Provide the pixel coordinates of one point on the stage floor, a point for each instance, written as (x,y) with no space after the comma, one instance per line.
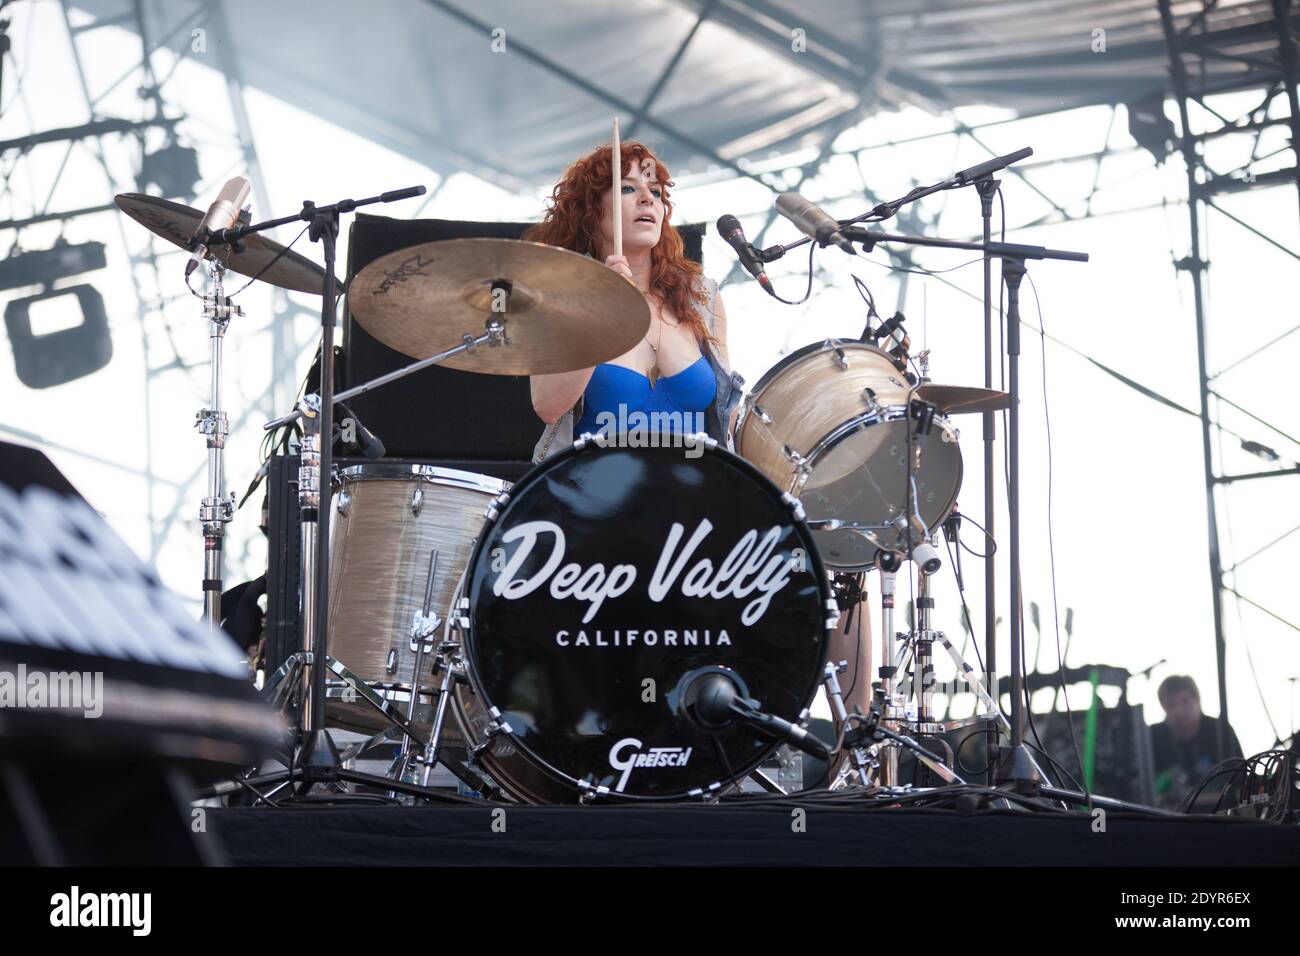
(736,836)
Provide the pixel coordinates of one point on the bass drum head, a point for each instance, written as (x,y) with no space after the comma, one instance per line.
(608,577)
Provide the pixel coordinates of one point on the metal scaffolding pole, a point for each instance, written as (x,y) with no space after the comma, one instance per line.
(1191,36)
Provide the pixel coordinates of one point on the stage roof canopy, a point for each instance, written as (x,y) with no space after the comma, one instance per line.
(512,91)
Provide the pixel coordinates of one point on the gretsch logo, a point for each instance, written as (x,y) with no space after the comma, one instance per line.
(750,568)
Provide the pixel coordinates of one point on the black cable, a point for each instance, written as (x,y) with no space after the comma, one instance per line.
(991,544)
(922,272)
(273,261)
(1059,766)
(812,248)
(1051,539)
(962,746)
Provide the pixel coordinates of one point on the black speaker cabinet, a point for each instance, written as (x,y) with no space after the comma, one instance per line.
(445,416)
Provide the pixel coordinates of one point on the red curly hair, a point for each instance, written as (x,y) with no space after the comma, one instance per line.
(573,217)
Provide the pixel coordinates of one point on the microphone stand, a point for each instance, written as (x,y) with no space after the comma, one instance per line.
(1014,764)
(988,187)
(317,759)
(981,177)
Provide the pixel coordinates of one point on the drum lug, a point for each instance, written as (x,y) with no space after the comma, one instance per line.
(705,793)
(762,414)
(794,504)
(869,399)
(417,501)
(343,501)
(799,461)
(496,726)
(500,501)
(589,793)
(390,664)
(460,615)
(837,353)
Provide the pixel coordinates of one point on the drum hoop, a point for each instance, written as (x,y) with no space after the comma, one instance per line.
(835,436)
(786,362)
(434,474)
(813,347)
(819,573)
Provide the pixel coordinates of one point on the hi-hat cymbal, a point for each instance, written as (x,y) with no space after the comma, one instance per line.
(177,224)
(962,399)
(562,311)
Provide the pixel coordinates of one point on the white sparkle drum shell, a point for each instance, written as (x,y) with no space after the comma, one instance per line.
(389,519)
(829,423)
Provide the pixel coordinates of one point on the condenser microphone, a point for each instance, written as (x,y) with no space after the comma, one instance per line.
(730,229)
(222,214)
(812,221)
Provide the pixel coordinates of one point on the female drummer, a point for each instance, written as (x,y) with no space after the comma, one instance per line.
(681,364)
(680,368)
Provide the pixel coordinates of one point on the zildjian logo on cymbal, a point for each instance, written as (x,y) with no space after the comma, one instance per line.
(410,267)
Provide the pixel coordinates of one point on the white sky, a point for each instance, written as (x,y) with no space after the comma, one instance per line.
(1129,518)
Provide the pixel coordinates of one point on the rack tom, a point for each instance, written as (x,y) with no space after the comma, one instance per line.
(831,423)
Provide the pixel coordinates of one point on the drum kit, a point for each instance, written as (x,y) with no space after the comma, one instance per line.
(623,623)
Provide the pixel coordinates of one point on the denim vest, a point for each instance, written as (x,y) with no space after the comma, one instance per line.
(730,389)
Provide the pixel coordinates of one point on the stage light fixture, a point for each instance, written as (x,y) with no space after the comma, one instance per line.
(45,266)
(1150,127)
(56,358)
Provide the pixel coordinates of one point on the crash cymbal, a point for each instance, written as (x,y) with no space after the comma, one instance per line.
(563,311)
(177,224)
(962,399)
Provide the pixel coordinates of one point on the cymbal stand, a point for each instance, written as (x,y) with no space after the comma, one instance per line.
(216,510)
(861,760)
(888,563)
(424,625)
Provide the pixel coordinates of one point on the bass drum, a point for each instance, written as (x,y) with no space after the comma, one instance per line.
(601,585)
(830,423)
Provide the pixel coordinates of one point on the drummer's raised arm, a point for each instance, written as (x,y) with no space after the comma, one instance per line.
(555,394)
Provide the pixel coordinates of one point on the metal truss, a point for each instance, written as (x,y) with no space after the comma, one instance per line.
(149,275)
(1261,40)
(1264,49)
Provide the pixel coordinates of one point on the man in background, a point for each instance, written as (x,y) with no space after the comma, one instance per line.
(1185,747)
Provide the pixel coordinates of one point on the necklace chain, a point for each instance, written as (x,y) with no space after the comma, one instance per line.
(654,369)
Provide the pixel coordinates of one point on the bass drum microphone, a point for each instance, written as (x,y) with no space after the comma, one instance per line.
(713,698)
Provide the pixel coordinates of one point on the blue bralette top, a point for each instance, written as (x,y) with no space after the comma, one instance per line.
(680,400)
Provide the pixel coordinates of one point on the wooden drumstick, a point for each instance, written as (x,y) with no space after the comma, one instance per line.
(617,160)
